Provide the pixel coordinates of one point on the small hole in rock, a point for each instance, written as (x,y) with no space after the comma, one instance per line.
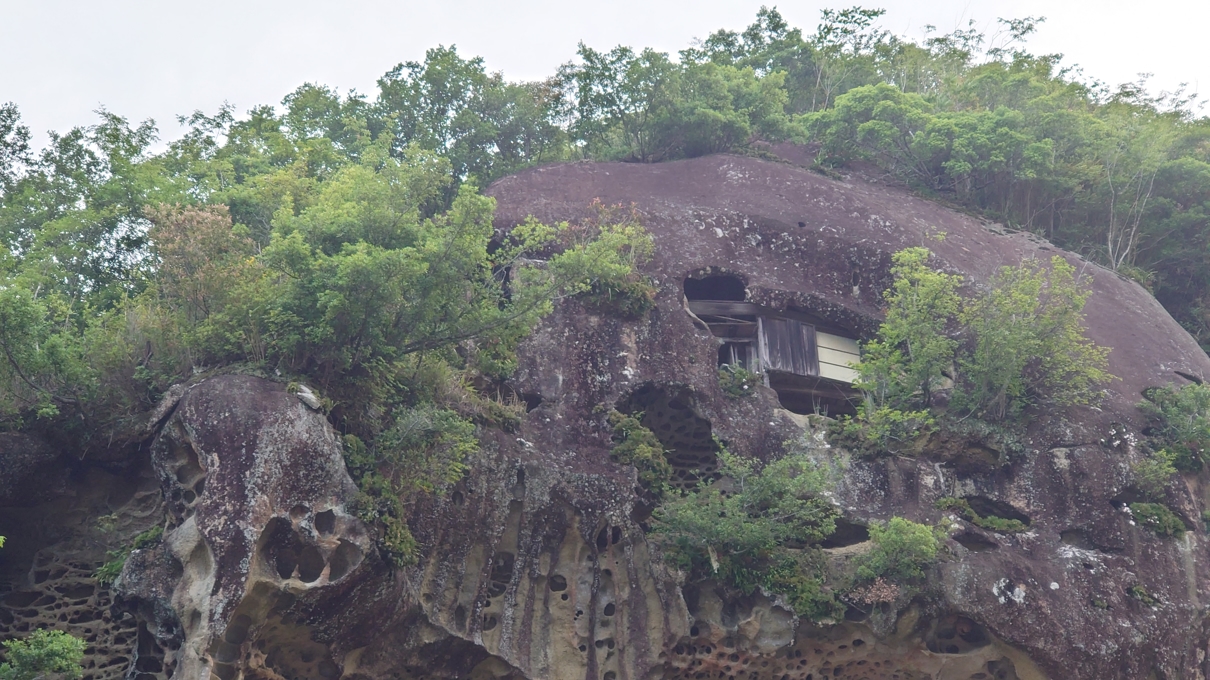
(286,562)
(310,564)
(325,522)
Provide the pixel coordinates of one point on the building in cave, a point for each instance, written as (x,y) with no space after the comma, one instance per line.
(807,361)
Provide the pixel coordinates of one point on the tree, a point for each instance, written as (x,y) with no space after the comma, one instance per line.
(1018,343)
(902,551)
(44,654)
(1029,343)
(914,348)
(14,147)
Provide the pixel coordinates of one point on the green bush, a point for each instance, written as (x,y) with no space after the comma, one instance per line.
(754,528)
(1140,593)
(902,551)
(905,365)
(1158,519)
(1021,341)
(627,299)
(1152,474)
(1180,418)
(107,573)
(881,432)
(423,451)
(44,654)
(1028,344)
(738,381)
(634,444)
(962,508)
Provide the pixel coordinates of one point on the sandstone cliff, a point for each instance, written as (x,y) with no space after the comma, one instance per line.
(536,565)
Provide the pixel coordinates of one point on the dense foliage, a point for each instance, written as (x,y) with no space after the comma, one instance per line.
(43,654)
(368,274)
(340,242)
(1158,518)
(902,550)
(1180,423)
(634,444)
(1019,342)
(755,529)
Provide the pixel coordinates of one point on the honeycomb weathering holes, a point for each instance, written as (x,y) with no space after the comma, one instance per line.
(668,412)
(290,554)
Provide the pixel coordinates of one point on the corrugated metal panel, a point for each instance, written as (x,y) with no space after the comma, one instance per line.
(836,356)
(831,356)
(789,346)
(836,372)
(846,345)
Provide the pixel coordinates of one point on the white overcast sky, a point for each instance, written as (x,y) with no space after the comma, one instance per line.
(62,59)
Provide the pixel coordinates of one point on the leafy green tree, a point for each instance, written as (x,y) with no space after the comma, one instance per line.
(15,153)
(1180,417)
(1029,343)
(483,125)
(44,654)
(1152,474)
(1020,342)
(914,349)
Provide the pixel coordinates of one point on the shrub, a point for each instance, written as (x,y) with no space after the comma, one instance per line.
(737,381)
(1151,475)
(754,528)
(637,445)
(1179,419)
(1019,343)
(905,365)
(422,451)
(1140,593)
(44,654)
(902,551)
(107,573)
(962,508)
(1028,343)
(1158,518)
(627,299)
(881,432)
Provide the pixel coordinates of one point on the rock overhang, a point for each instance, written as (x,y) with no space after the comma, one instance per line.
(803,240)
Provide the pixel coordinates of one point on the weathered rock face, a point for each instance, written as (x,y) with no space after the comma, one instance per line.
(1053,601)
(257,538)
(537,565)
